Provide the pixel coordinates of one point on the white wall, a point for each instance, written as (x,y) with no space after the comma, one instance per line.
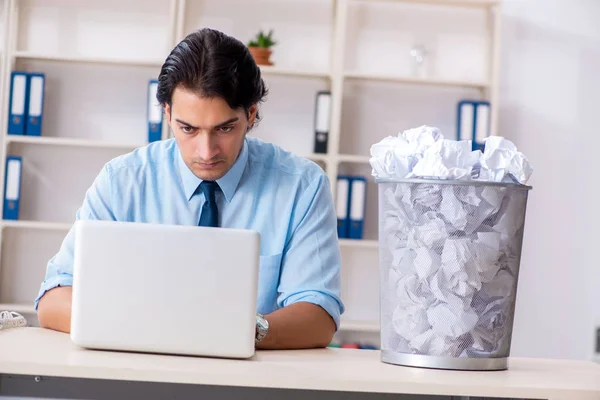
(550,103)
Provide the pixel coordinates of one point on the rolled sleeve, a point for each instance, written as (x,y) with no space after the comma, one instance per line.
(54,280)
(96,205)
(311,262)
(327,301)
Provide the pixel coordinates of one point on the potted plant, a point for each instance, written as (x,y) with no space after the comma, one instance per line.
(260,47)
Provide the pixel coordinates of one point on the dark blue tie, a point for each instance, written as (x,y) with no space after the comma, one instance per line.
(209,216)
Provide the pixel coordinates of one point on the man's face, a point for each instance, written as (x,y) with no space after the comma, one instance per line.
(209,133)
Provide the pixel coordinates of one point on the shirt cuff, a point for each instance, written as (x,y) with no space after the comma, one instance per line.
(51,283)
(328,303)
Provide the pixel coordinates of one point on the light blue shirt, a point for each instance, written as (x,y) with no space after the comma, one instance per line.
(284,197)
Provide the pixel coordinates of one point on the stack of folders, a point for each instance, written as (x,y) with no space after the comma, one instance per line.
(26,105)
(155,115)
(473,122)
(25,115)
(350,206)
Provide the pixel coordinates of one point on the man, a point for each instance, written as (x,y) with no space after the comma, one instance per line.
(212,174)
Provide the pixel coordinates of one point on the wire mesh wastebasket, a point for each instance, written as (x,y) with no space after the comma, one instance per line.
(449,255)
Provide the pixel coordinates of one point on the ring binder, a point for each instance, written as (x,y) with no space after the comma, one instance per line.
(155,116)
(12,188)
(17,103)
(36,104)
(342,206)
(357,207)
(322,115)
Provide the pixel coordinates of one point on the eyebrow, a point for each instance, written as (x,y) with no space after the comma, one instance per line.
(229,121)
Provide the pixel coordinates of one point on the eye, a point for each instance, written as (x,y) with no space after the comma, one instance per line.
(225,129)
(187,129)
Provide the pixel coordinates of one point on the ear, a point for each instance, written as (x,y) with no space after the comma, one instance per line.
(168,114)
(252,111)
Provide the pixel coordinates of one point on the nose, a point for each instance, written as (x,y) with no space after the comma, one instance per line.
(206,147)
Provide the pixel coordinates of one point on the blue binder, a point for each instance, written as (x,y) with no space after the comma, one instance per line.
(343,206)
(12,188)
(17,112)
(473,122)
(358,194)
(36,104)
(155,116)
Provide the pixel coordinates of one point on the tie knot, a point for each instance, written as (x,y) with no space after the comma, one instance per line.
(208,190)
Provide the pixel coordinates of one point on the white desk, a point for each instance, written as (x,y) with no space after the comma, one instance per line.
(37,352)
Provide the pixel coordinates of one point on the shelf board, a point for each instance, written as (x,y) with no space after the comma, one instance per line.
(21,308)
(373,76)
(265,69)
(353,158)
(448,3)
(317,157)
(87,60)
(38,225)
(275,70)
(60,141)
(359,243)
(359,326)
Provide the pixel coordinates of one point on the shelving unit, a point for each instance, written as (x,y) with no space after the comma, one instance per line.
(357,49)
(85,45)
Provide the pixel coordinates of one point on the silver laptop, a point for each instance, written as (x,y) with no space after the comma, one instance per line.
(165,288)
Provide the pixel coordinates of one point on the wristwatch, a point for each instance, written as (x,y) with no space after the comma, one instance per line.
(262,327)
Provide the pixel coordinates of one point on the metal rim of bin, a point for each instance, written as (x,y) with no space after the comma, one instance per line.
(454,363)
(436,362)
(462,182)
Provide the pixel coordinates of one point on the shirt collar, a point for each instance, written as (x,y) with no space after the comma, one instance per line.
(228,183)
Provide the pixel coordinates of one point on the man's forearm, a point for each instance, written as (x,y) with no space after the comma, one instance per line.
(298,326)
(54,309)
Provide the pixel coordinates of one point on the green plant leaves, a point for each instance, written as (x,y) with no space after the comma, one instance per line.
(262,40)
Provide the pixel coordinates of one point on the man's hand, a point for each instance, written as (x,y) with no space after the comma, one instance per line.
(300,325)
(54,309)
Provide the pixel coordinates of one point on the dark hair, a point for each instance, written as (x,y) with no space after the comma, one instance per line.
(214,65)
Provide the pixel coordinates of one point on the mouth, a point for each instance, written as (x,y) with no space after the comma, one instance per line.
(211,165)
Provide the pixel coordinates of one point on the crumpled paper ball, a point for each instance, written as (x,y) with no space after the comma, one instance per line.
(423,152)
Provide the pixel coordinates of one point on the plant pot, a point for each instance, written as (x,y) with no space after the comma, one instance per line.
(261,55)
